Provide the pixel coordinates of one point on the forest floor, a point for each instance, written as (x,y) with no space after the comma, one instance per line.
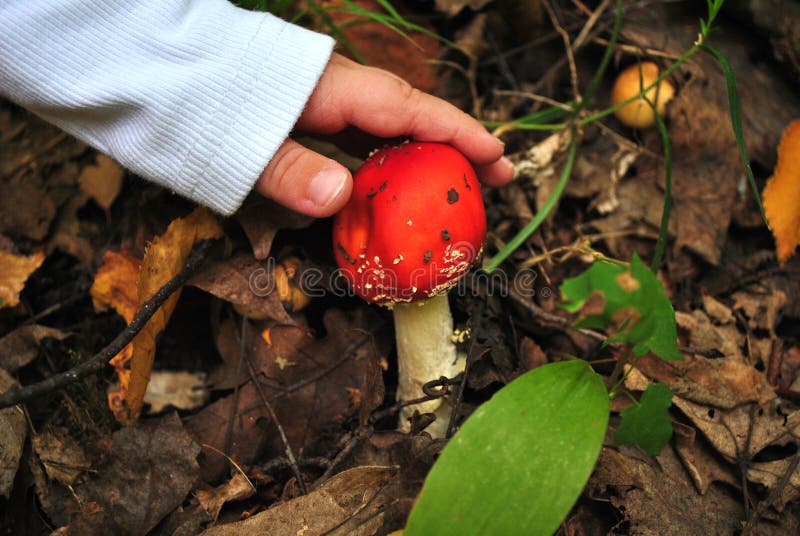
(232,362)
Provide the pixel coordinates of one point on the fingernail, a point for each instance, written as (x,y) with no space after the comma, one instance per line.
(501,143)
(327,184)
(506,162)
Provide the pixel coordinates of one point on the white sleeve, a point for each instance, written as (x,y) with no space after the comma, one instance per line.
(194,95)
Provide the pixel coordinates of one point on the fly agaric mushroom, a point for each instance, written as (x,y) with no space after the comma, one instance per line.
(414,224)
(629,83)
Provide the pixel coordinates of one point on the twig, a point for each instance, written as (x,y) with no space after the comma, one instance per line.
(360,434)
(287,448)
(236,390)
(99,361)
(232,462)
(590,22)
(573,69)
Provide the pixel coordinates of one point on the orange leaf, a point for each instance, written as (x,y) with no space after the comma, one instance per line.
(102,181)
(15,271)
(782,194)
(114,286)
(163,260)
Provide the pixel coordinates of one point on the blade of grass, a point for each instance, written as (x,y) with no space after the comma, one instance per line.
(607,55)
(736,121)
(540,216)
(663,231)
(336,31)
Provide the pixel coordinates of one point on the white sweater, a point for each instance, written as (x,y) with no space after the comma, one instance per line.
(195,95)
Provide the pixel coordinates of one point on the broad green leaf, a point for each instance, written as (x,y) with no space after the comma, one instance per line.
(647,424)
(520,461)
(629,302)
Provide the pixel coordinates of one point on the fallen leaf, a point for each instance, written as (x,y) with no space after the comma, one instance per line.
(148,472)
(261,218)
(782,194)
(761,305)
(657,498)
(114,286)
(310,397)
(723,382)
(702,464)
(383,47)
(163,260)
(63,458)
(784,473)
(13,432)
(26,209)
(729,431)
(244,281)
(102,181)
(21,346)
(717,310)
(344,505)
(181,390)
(16,270)
(71,232)
(235,489)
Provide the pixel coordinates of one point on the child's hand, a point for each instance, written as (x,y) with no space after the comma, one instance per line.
(379,103)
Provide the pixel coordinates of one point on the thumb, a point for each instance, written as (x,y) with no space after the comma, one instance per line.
(305,181)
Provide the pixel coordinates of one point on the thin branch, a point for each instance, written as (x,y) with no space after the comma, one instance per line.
(99,361)
(287,448)
(573,69)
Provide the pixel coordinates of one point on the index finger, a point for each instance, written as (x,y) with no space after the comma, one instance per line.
(385,105)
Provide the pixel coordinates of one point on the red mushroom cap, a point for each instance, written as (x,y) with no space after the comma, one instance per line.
(414,224)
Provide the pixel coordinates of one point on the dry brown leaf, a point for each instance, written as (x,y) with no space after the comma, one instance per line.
(13,432)
(728,430)
(26,208)
(102,181)
(235,489)
(71,232)
(163,260)
(21,346)
(723,382)
(261,218)
(346,504)
(181,390)
(15,272)
(306,379)
(383,47)
(656,498)
(782,194)
(63,458)
(146,473)
(778,472)
(246,282)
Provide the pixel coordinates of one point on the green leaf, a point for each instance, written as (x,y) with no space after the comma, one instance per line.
(630,302)
(520,461)
(647,424)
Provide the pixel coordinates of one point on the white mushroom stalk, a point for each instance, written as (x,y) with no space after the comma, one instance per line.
(425,352)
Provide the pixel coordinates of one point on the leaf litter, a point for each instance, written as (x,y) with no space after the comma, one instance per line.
(325,367)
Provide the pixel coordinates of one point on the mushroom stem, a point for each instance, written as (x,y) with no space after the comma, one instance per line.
(425,352)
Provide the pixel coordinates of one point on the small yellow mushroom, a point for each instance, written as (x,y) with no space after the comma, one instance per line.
(629,83)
